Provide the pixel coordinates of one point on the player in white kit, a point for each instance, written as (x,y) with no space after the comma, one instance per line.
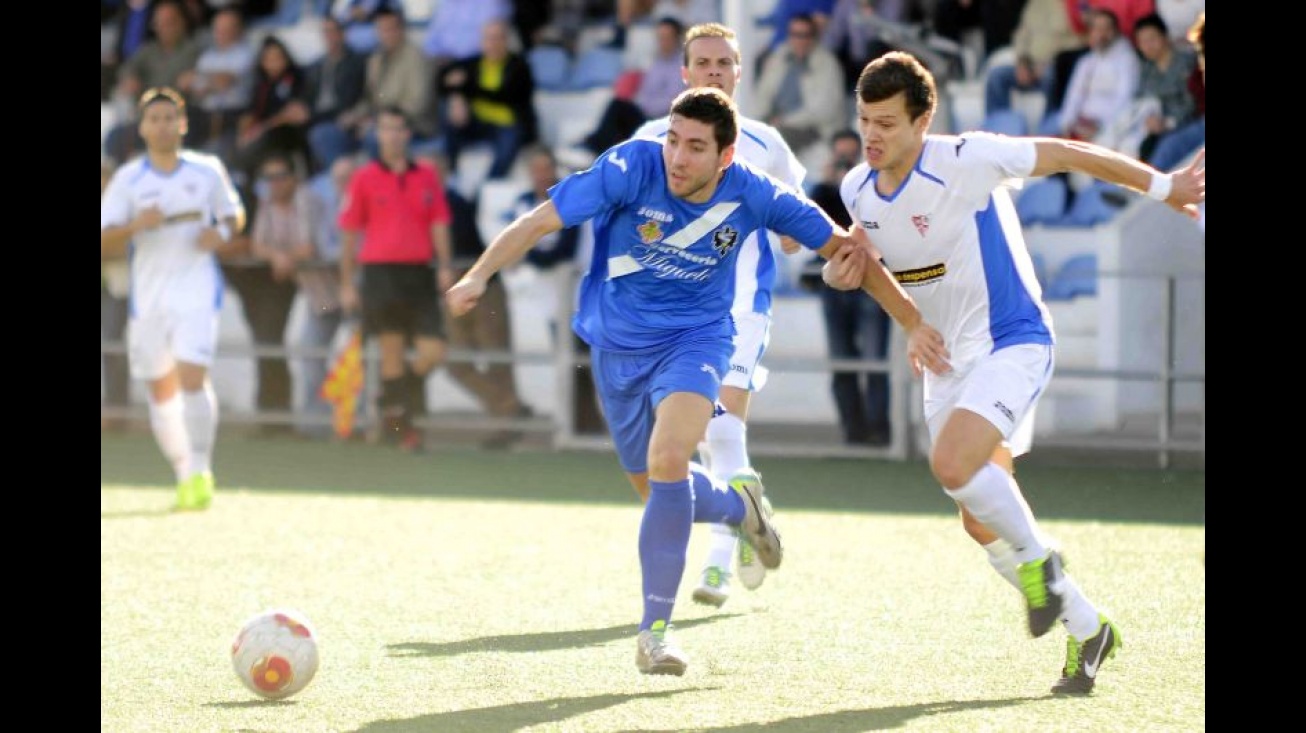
(712,59)
(939,218)
(171,210)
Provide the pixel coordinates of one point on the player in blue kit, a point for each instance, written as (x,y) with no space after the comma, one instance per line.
(655,310)
(941,220)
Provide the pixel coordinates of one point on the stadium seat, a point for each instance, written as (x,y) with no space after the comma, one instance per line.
(1090,208)
(550,66)
(1077,276)
(1040,268)
(1042,202)
(1005,122)
(597,67)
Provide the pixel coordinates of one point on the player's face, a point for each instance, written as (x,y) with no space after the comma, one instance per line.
(712,63)
(890,140)
(692,159)
(162,127)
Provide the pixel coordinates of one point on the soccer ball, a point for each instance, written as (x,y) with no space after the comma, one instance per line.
(275,653)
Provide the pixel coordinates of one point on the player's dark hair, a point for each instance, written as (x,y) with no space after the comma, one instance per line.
(711,106)
(162,94)
(898,72)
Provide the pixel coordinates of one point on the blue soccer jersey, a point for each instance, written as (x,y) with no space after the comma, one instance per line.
(663,268)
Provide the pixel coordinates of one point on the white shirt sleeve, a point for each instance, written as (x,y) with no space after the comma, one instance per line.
(224,199)
(116,204)
(986,159)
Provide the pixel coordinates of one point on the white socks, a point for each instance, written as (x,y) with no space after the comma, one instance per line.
(202,425)
(168,423)
(991,497)
(727,445)
(1079,616)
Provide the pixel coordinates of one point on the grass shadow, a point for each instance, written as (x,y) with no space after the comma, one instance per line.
(513,716)
(1104,493)
(536,642)
(856,721)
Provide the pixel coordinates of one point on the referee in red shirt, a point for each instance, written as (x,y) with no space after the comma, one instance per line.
(399,208)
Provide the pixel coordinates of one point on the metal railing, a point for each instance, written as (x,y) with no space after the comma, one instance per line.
(908,436)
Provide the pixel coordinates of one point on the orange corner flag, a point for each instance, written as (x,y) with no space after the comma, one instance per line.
(344,385)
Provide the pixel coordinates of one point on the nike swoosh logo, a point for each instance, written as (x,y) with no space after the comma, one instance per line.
(1090,668)
(619,162)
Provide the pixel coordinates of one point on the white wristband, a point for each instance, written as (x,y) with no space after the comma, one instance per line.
(224,231)
(1160,186)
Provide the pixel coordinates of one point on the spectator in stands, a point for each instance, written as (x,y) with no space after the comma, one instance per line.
(1183,141)
(1163,101)
(397,74)
(319,281)
(555,259)
(334,84)
(996,20)
(1103,82)
(637,97)
(801,91)
(281,237)
(663,80)
(220,84)
(816,11)
(157,63)
(489,97)
(1043,32)
(127,24)
(492,383)
(395,224)
(1079,12)
(276,121)
(456,29)
(861,30)
(358,19)
(684,12)
(856,327)
(115,286)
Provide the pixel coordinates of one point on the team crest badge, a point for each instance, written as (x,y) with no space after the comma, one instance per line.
(724,239)
(650,231)
(922,222)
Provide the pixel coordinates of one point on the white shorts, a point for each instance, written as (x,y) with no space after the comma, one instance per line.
(157,341)
(752,334)
(1002,387)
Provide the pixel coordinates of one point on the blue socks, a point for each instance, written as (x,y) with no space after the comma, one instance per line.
(672,509)
(663,541)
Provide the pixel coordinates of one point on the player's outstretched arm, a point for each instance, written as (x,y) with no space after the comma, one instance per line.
(508,247)
(1181,190)
(854,264)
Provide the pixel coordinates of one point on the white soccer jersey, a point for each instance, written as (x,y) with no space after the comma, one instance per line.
(761,146)
(951,237)
(169,271)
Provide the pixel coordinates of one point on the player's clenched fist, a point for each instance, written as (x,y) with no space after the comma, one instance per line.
(846,269)
(464,295)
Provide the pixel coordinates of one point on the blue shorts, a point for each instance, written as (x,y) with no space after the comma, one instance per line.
(631,386)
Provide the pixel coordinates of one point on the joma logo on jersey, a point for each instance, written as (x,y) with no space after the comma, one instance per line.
(661,216)
(724,239)
(870,225)
(650,231)
(921,275)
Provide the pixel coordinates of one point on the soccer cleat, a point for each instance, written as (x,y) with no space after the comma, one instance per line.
(1084,658)
(751,570)
(757,527)
(1040,581)
(714,587)
(195,492)
(656,653)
